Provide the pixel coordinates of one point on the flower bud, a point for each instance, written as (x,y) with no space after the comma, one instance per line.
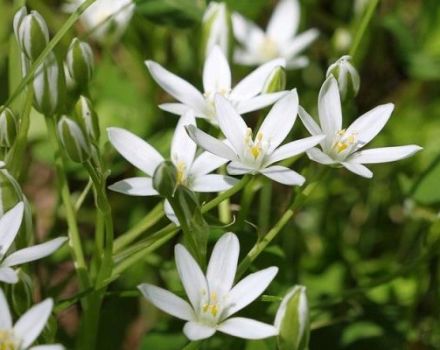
(18,18)
(292,320)
(216,28)
(87,118)
(165,179)
(73,140)
(32,33)
(80,63)
(346,75)
(48,86)
(8,128)
(276,81)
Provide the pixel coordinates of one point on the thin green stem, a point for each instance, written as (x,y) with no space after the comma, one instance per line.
(265,206)
(194,345)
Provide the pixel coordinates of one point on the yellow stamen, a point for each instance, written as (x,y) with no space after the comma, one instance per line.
(181,173)
(212,306)
(7,341)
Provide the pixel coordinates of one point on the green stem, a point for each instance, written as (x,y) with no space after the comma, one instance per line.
(194,345)
(246,201)
(265,206)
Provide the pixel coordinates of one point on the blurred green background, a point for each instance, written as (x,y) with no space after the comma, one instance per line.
(368,251)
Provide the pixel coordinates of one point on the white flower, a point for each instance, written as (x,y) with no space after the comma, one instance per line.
(251,153)
(342,146)
(279,40)
(104,18)
(216,27)
(27,329)
(193,172)
(245,96)
(214,298)
(10,223)
(346,75)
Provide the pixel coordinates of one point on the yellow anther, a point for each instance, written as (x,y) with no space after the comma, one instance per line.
(181,173)
(256,151)
(341,146)
(7,341)
(259,136)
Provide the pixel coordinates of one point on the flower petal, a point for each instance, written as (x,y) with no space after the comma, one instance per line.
(138,152)
(309,123)
(8,275)
(284,21)
(169,212)
(205,163)
(183,148)
(10,223)
(384,154)
(237,168)
(167,301)
(319,156)
(294,148)
(212,183)
(329,107)
(135,186)
(297,62)
(196,331)
(283,175)
(258,102)
(247,328)
(32,323)
(216,72)
(48,347)
(245,31)
(249,289)
(5,315)
(175,108)
(358,169)
(299,43)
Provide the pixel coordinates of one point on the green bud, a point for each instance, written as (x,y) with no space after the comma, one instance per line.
(32,33)
(276,81)
(87,118)
(8,128)
(216,28)
(292,320)
(165,179)
(73,140)
(346,75)
(80,63)
(18,18)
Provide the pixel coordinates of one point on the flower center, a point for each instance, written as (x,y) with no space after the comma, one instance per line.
(181,178)
(211,306)
(344,141)
(7,340)
(269,48)
(254,147)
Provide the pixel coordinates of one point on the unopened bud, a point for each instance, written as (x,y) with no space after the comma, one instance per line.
(8,128)
(165,179)
(346,75)
(80,63)
(32,33)
(73,140)
(276,81)
(216,28)
(292,320)
(18,19)
(87,118)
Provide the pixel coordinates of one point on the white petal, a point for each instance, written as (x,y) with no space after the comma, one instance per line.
(191,276)
(135,186)
(35,252)
(294,148)
(246,58)
(258,102)
(358,169)
(205,163)
(283,175)
(169,212)
(48,347)
(384,154)
(8,275)
(175,108)
(211,144)
(167,301)
(183,148)
(279,122)
(309,123)
(284,21)
(180,89)
(299,43)
(247,328)
(368,125)
(32,323)
(297,62)
(216,72)
(223,264)
(212,183)
(329,106)
(253,83)
(319,156)
(246,32)
(5,314)
(237,168)
(10,222)
(138,152)
(197,331)
(249,289)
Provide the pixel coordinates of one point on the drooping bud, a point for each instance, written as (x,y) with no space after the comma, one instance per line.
(165,179)
(8,128)
(48,86)
(276,81)
(73,139)
(87,118)
(346,76)
(292,320)
(32,33)
(80,63)
(216,28)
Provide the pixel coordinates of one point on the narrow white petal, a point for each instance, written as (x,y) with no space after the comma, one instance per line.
(48,347)
(279,122)
(169,212)
(135,186)
(358,169)
(205,163)
(32,323)
(319,156)
(196,331)
(216,72)
(191,276)
(329,106)
(384,154)
(167,301)
(283,175)
(237,168)
(10,222)
(35,252)
(223,264)
(249,289)
(309,123)
(180,89)
(175,108)
(259,102)
(183,148)
(294,148)
(244,30)
(212,183)
(246,58)
(138,152)
(368,125)
(8,275)
(5,314)
(297,62)
(299,43)
(211,144)
(284,21)
(247,328)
